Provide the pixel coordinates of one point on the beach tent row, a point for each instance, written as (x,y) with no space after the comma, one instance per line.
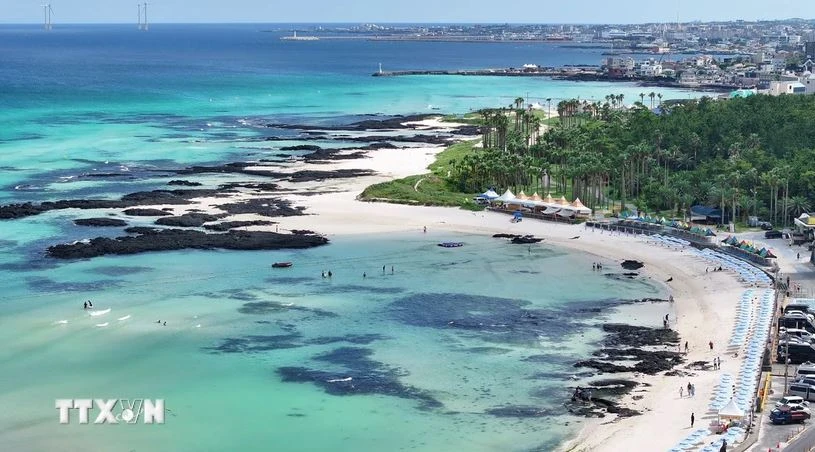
(746,246)
(676,224)
(547,206)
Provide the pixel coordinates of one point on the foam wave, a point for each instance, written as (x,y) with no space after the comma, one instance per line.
(123,318)
(60,322)
(98,313)
(103,324)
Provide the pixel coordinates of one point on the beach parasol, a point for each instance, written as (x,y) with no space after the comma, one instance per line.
(522,196)
(536,197)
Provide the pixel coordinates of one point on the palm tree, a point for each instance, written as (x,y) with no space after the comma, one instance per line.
(652,95)
(642,98)
(660,99)
(797,205)
(549,107)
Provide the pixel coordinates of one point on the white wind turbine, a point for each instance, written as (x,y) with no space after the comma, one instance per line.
(46,12)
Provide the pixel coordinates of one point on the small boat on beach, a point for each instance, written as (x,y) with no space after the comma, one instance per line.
(451,244)
(281,265)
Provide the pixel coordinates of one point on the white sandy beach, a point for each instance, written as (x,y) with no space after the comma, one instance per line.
(704,308)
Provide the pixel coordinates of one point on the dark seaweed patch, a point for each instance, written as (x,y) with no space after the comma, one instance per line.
(272,307)
(493,319)
(117,270)
(257,343)
(43,284)
(518,411)
(288,279)
(358,339)
(353,288)
(362,376)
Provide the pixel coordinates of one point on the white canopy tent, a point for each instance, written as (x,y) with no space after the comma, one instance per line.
(731,411)
(507,196)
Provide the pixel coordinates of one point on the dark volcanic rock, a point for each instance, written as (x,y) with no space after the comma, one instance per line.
(525,239)
(174,197)
(184,183)
(188,220)
(259,186)
(638,336)
(267,207)
(177,239)
(100,222)
(632,265)
(394,122)
(333,154)
(227,225)
(146,212)
(301,147)
(297,176)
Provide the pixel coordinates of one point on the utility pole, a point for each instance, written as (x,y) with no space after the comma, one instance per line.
(146,25)
(139,5)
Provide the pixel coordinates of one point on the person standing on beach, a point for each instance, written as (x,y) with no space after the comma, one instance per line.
(686,346)
(711,344)
(681,391)
(692,419)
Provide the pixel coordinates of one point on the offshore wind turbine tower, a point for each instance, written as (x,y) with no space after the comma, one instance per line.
(46,13)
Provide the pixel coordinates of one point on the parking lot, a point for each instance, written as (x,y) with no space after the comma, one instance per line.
(771,435)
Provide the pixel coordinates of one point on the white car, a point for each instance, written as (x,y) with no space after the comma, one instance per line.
(792,401)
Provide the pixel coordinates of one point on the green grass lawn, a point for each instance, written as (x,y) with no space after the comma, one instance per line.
(430,189)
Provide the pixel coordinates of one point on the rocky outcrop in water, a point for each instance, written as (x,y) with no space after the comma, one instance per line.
(146,198)
(267,207)
(184,183)
(146,212)
(188,220)
(227,225)
(100,222)
(632,265)
(149,239)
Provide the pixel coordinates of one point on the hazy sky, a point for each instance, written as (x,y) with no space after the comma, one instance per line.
(525,11)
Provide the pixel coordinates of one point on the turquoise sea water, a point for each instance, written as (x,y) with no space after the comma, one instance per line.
(462,349)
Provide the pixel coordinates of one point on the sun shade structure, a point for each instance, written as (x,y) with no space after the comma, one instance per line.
(731,411)
(507,196)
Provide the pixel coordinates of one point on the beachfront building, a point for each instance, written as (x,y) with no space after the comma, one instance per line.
(780,87)
(705,214)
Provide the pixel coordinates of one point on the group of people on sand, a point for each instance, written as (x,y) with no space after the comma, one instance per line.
(715,269)
(88,305)
(691,390)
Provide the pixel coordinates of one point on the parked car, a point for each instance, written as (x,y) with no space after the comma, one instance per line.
(774,234)
(786,414)
(790,400)
(801,389)
(766,225)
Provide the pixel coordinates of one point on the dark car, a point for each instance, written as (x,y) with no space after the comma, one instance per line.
(766,225)
(774,234)
(786,415)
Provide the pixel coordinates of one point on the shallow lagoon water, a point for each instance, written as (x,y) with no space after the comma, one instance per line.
(443,354)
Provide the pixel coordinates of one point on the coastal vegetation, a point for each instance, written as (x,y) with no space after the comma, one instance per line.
(749,156)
